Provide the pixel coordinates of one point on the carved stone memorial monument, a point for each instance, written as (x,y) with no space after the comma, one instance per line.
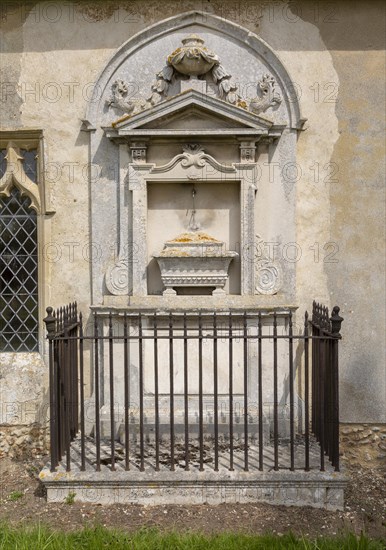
(186,218)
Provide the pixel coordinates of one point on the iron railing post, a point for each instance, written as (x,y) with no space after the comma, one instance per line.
(336,323)
(50,322)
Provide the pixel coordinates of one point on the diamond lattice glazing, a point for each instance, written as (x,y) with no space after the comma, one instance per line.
(18,274)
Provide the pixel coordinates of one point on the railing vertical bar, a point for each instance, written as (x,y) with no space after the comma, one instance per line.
(67,392)
(313,372)
(76,321)
(321,401)
(306,394)
(336,323)
(156,392)
(329,397)
(186,389)
(69,378)
(111,380)
(141,411)
(230,392)
(245,377)
(50,326)
(291,391)
(97,397)
(260,392)
(275,398)
(75,381)
(335,458)
(171,381)
(59,377)
(126,368)
(215,391)
(200,398)
(81,392)
(71,363)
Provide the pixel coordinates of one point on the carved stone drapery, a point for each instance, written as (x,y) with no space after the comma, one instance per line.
(192,59)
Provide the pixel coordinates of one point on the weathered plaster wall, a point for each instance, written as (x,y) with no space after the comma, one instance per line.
(23,404)
(52,54)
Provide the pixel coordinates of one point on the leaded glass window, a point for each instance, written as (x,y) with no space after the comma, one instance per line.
(18,274)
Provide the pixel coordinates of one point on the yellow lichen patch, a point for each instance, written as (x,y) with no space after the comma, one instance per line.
(194,238)
(122,119)
(242,104)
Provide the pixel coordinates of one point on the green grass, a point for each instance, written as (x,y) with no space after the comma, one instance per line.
(15,495)
(70,498)
(41,538)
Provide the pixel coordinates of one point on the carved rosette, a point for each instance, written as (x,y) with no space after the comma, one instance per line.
(268,274)
(117,278)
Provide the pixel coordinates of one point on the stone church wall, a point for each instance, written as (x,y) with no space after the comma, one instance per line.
(52,54)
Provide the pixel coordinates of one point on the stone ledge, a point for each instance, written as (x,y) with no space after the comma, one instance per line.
(316,489)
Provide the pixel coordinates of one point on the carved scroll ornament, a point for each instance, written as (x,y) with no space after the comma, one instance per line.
(117,278)
(268,274)
(269,95)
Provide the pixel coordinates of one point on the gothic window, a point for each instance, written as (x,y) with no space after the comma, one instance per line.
(19,318)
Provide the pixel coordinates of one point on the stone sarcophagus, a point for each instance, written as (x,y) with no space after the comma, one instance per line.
(194,259)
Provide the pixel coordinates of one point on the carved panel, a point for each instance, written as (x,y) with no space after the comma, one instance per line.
(138,153)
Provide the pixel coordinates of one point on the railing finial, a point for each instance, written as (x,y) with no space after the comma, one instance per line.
(336,321)
(50,322)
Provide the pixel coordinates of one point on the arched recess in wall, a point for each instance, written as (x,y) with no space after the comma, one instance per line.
(184,22)
(251,92)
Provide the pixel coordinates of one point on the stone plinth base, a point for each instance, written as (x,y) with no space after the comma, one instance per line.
(319,490)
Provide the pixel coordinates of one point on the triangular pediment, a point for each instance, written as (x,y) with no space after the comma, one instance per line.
(192,112)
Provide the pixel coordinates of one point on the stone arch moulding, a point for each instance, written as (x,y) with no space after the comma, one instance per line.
(234,32)
(124,141)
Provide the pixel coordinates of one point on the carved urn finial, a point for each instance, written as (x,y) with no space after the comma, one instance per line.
(193,58)
(192,40)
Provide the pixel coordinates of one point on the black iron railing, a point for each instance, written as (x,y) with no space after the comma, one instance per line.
(243,348)
(325,381)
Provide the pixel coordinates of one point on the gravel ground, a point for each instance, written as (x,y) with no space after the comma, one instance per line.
(22,502)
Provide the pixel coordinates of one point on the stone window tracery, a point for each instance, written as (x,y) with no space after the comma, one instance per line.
(20,206)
